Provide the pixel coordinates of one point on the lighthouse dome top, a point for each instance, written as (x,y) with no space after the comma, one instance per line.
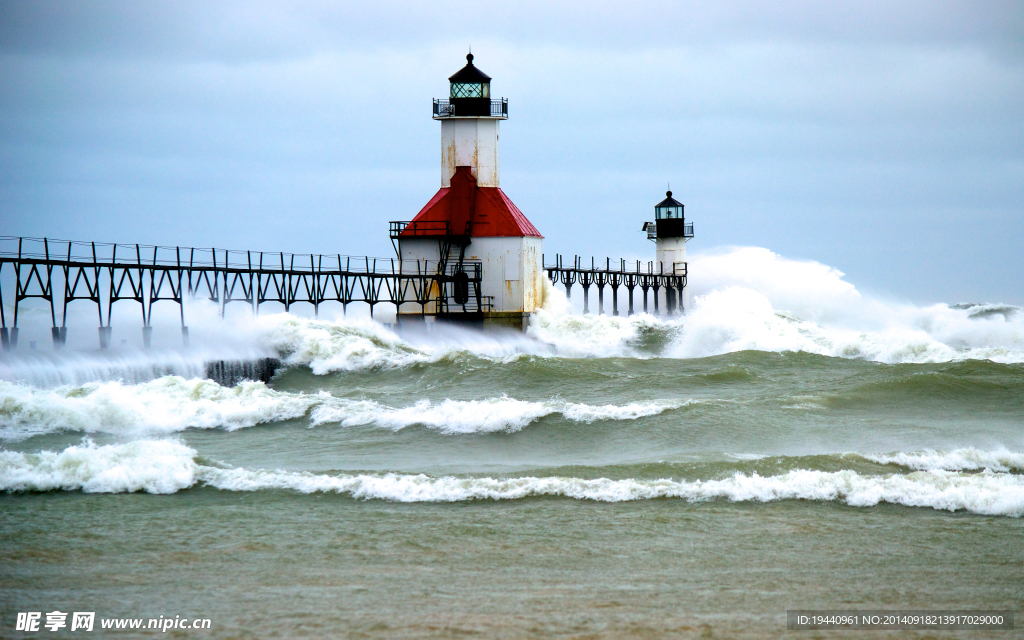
(469,73)
(669,208)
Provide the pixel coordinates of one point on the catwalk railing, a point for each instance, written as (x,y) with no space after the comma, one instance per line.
(61,272)
(649,276)
(463,107)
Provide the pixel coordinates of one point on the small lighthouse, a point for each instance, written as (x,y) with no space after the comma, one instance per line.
(669,231)
(470,221)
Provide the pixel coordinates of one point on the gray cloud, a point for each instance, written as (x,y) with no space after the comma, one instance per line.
(882,138)
(245,30)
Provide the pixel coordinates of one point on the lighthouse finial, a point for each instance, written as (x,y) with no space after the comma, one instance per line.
(469,56)
(669,192)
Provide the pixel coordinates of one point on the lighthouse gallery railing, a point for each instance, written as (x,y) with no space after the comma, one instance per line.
(445,109)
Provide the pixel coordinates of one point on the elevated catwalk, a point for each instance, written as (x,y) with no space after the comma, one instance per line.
(61,272)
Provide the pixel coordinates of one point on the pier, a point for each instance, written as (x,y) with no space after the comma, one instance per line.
(63,271)
(649,277)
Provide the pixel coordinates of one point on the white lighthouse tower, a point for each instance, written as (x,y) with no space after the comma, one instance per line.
(670,232)
(470,219)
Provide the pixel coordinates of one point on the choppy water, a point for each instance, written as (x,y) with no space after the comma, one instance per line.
(789,443)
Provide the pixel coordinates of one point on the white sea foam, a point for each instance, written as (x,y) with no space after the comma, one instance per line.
(165,405)
(985,493)
(601,336)
(172,404)
(154,466)
(751,298)
(591,335)
(339,345)
(356,344)
(747,298)
(737,319)
(166,467)
(956,460)
(478,416)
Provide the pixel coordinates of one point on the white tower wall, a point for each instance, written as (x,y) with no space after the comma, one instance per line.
(670,254)
(422,248)
(512,271)
(470,142)
(427,250)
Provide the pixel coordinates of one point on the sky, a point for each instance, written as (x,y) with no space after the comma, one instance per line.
(882,138)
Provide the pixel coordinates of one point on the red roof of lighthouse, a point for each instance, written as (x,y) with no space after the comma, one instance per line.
(484,211)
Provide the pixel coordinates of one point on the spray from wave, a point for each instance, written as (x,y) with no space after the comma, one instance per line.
(749,298)
(161,467)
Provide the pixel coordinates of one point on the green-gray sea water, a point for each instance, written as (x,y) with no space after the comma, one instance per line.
(592,479)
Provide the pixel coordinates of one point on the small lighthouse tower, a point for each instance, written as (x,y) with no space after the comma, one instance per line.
(669,231)
(470,221)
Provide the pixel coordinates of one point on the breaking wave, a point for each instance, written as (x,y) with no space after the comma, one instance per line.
(752,298)
(344,345)
(172,404)
(165,405)
(359,344)
(747,298)
(153,466)
(162,466)
(956,460)
(739,319)
(478,416)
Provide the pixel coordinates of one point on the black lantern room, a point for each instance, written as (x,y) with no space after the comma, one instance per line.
(668,220)
(668,209)
(470,82)
(470,96)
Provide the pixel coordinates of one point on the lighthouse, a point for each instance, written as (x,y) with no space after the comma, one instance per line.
(670,232)
(470,223)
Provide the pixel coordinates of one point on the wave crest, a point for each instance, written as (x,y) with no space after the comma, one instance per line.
(479,416)
(153,466)
(167,467)
(956,460)
(171,404)
(165,405)
(344,345)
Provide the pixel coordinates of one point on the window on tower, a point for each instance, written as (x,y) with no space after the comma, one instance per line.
(471,90)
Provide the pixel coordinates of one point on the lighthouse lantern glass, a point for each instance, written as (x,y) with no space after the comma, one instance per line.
(668,212)
(471,90)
